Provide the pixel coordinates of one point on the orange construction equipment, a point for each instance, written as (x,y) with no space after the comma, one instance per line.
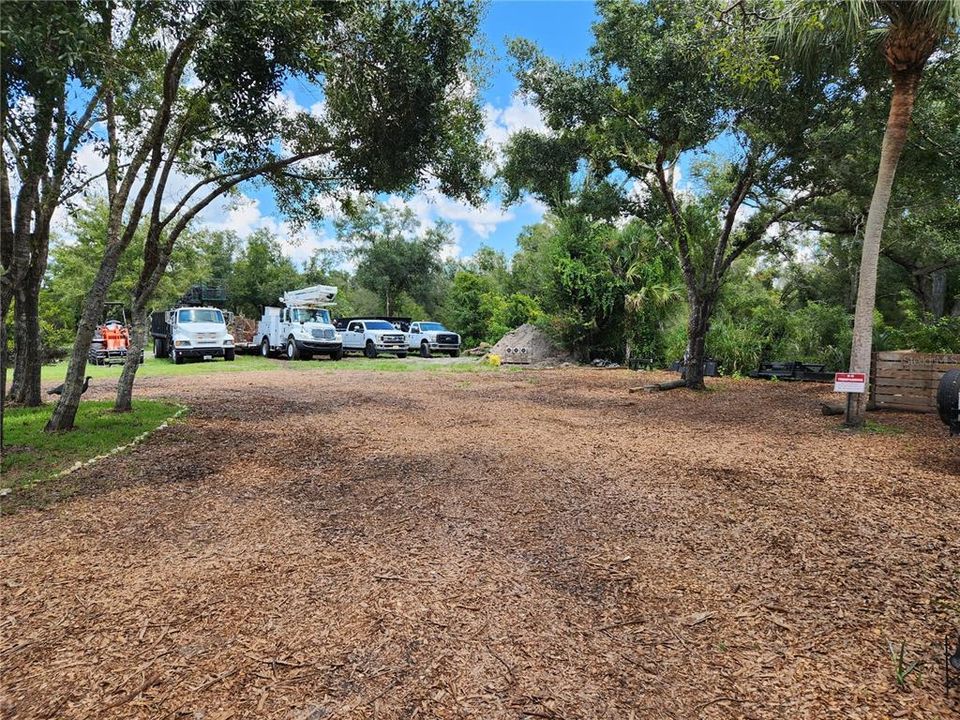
(112,338)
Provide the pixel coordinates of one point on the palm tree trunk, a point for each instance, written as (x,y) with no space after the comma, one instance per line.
(894,137)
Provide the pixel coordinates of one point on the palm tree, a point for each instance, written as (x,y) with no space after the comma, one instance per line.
(909,33)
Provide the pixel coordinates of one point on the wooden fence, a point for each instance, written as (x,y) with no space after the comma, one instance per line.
(905,380)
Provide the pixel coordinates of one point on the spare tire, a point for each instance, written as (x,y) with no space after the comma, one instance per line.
(948,396)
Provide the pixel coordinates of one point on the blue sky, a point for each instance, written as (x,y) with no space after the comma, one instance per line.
(562,29)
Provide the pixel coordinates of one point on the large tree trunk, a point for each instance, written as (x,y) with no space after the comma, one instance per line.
(894,138)
(935,292)
(697,326)
(3,375)
(66,410)
(138,341)
(25,389)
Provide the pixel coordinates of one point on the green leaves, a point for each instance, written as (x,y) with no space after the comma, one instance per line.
(395,257)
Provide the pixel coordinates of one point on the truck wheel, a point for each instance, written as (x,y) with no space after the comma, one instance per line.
(265,347)
(947,393)
(292,352)
(454,353)
(401,355)
(337,354)
(424,349)
(159,348)
(370,350)
(229,354)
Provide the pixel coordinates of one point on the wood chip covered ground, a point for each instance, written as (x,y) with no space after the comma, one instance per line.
(535,544)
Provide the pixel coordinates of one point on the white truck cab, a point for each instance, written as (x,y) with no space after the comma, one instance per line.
(197,332)
(372,337)
(301,328)
(431,337)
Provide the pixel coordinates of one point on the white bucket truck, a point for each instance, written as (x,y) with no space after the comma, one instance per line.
(301,327)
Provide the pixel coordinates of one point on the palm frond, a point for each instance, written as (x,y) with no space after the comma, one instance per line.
(809,31)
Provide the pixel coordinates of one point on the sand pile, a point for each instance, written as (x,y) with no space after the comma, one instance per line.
(540,347)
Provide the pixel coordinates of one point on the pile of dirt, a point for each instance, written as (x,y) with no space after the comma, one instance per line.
(538,345)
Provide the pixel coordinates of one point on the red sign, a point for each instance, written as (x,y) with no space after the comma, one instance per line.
(850,382)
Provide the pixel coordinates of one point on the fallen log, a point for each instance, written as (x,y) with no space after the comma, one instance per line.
(659,387)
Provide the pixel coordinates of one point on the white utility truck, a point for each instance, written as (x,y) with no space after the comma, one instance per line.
(301,327)
(431,337)
(373,336)
(191,332)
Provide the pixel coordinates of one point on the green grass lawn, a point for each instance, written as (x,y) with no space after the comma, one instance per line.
(153,367)
(31,455)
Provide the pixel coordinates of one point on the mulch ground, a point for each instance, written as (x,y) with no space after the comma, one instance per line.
(504,545)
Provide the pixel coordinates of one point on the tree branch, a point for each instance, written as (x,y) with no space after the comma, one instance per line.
(679,225)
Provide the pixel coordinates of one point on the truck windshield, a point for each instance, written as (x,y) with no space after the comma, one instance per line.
(378,325)
(432,327)
(199,315)
(317,315)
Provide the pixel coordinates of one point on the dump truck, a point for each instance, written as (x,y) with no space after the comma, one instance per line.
(195,327)
(301,327)
(191,332)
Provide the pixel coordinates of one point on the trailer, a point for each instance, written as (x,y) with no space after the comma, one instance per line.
(795,370)
(244,331)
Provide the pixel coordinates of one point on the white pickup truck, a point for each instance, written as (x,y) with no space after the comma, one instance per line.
(302,327)
(431,337)
(372,337)
(191,332)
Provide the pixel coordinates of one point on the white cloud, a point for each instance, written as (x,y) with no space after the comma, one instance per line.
(243,216)
(519,115)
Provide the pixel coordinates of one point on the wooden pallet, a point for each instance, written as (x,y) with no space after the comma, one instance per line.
(905,380)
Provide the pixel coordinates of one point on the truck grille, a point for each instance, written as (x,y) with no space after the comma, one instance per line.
(392,338)
(206,337)
(448,339)
(325,334)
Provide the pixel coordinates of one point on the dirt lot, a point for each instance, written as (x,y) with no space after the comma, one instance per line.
(492,545)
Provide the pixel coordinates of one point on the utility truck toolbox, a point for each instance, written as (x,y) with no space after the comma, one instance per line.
(301,327)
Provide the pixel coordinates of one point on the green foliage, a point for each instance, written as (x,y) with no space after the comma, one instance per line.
(752,324)
(517,309)
(260,275)
(73,265)
(918,330)
(396,258)
(472,305)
